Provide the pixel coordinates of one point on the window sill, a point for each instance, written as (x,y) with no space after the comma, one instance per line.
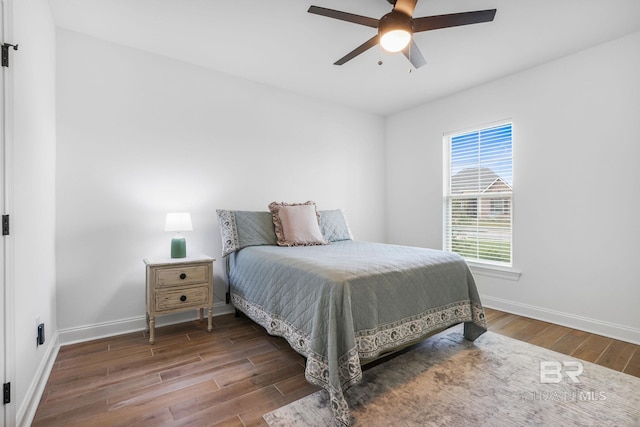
(507,273)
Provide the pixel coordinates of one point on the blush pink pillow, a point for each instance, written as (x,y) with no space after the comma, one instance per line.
(297,224)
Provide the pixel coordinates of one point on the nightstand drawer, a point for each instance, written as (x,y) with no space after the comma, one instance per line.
(180,298)
(181,276)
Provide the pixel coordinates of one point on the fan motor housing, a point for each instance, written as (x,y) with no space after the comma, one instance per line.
(395,20)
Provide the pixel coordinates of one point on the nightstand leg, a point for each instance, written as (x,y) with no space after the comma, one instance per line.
(200,311)
(210,327)
(152,330)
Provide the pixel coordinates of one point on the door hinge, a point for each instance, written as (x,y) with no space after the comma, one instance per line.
(5,225)
(7,392)
(5,53)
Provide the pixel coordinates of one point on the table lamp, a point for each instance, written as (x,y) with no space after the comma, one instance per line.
(178,221)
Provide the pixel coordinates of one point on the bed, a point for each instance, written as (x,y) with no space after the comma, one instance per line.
(344,302)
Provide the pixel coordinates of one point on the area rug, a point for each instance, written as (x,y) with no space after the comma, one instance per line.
(494,381)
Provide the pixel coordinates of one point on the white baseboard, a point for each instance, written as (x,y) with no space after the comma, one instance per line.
(27,410)
(608,329)
(132,324)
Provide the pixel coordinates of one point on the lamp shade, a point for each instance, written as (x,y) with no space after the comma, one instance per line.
(178,221)
(395,40)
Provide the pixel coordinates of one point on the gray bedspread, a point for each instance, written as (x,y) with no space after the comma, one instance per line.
(341,303)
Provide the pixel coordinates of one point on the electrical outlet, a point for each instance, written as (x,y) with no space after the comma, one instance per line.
(40,334)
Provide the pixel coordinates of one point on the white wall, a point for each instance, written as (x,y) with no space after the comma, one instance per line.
(576,175)
(140,135)
(32,70)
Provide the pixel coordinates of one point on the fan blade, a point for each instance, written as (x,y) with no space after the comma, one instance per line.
(405,6)
(344,16)
(357,51)
(452,20)
(413,54)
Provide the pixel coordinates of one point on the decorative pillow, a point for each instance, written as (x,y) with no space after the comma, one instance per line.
(297,224)
(334,226)
(228,231)
(255,228)
(240,229)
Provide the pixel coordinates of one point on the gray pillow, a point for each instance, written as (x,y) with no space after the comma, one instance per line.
(240,229)
(334,226)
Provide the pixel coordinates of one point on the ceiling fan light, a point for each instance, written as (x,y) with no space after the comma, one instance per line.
(395,40)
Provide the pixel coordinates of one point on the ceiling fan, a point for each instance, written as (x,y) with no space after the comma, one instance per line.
(396,28)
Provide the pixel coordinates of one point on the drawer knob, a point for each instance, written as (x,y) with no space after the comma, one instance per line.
(183,298)
(183,276)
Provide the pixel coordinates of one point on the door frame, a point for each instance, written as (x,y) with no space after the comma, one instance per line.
(7,338)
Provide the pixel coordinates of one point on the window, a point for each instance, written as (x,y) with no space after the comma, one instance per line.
(478,194)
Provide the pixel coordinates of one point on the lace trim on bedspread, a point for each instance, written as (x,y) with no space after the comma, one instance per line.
(275,325)
(372,342)
(369,343)
(317,366)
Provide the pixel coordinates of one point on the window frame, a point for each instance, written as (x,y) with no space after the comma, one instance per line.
(482,266)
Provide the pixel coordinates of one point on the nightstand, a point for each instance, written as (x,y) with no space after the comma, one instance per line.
(178,284)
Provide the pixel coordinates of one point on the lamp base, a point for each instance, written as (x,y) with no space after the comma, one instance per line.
(178,247)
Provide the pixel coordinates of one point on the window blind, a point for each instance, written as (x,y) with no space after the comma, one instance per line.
(478,194)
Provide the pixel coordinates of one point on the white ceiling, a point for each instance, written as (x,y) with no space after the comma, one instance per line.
(279,44)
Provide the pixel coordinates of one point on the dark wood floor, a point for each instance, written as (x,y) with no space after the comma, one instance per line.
(231,377)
